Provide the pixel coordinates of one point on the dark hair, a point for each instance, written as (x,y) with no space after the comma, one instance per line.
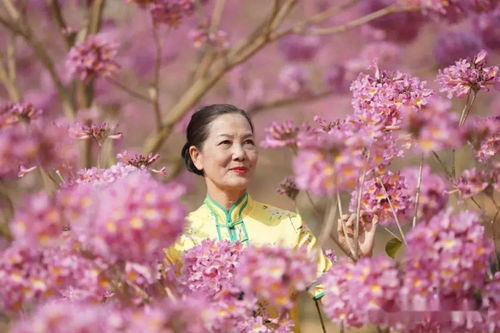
(197,130)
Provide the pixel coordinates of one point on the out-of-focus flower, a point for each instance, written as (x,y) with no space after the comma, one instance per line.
(487,26)
(491,302)
(200,36)
(172,12)
(294,80)
(189,315)
(468,75)
(471,182)
(210,267)
(66,317)
(401,27)
(140,217)
(288,187)
(98,132)
(18,112)
(38,143)
(92,58)
(433,191)
(280,135)
(454,45)
(22,276)
(299,48)
(354,292)
(381,195)
(137,160)
(39,221)
(483,133)
(448,255)
(96,176)
(434,128)
(274,273)
(383,53)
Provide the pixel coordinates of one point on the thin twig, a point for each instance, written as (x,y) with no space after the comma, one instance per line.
(129,91)
(320,316)
(417,195)
(360,21)
(315,208)
(8,84)
(288,101)
(392,233)
(344,229)
(393,211)
(358,206)
(328,223)
(56,10)
(156,83)
(441,163)
(493,222)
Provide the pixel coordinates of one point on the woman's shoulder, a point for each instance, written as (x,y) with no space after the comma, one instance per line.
(269,212)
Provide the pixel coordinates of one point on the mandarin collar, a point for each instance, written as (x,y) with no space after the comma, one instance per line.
(234,213)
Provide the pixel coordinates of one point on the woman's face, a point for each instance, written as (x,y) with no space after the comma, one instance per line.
(228,156)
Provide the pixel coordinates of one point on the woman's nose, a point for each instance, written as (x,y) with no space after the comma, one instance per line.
(238,152)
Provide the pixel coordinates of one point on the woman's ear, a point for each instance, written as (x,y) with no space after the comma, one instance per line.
(196,157)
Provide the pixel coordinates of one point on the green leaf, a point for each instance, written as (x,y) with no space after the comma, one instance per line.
(392,247)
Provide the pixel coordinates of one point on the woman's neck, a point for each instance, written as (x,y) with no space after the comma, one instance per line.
(223,197)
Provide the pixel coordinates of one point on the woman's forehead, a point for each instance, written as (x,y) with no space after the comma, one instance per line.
(230,125)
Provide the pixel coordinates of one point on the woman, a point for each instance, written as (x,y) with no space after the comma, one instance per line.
(221,148)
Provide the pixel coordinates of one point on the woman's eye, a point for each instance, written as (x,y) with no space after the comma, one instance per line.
(224,143)
(249,142)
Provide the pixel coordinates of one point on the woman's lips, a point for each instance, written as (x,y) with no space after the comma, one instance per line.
(239,170)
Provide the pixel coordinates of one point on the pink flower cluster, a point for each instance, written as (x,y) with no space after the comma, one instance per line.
(468,75)
(378,98)
(434,128)
(299,48)
(210,267)
(28,274)
(172,12)
(472,182)
(210,271)
(484,135)
(98,132)
(433,191)
(66,317)
(448,256)
(92,58)
(202,36)
(13,113)
(383,196)
(275,273)
(280,135)
(294,80)
(356,292)
(97,176)
(35,141)
(140,218)
(288,187)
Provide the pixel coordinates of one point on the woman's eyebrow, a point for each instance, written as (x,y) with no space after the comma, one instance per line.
(231,136)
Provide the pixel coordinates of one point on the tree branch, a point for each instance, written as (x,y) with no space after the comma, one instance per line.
(288,101)
(55,8)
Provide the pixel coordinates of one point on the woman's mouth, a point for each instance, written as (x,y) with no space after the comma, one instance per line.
(239,170)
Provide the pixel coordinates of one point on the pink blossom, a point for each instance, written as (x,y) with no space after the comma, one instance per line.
(378,98)
(294,80)
(299,48)
(201,36)
(288,187)
(471,182)
(335,78)
(483,133)
(433,191)
(487,27)
(40,142)
(210,267)
(274,273)
(98,176)
(468,75)
(140,218)
(434,128)
(22,276)
(13,113)
(280,135)
(38,221)
(448,254)
(383,195)
(172,12)
(65,317)
(454,45)
(98,132)
(92,58)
